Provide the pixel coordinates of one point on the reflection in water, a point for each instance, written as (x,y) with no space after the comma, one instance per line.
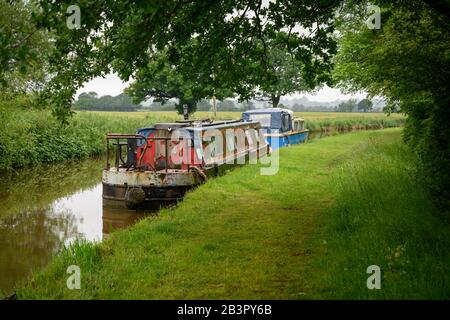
(29,239)
(86,209)
(46,207)
(118,218)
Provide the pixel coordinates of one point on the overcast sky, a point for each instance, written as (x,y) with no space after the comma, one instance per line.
(112,85)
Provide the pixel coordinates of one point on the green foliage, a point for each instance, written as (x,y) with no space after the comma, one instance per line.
(407,62)
(384,217)
(347,106)
(284,74)
(33,136)
(91,101)
(163,81)
(24,49)
(186,252)
(214,44)
(350,124)
(365,105)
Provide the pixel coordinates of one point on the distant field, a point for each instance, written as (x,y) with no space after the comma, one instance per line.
(236,115)
(345,115)
(45,141)
(314,121)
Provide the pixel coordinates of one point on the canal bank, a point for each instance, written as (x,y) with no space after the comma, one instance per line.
(244,235)
(47,207)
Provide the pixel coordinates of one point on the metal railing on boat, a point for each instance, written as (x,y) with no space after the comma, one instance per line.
(118,156)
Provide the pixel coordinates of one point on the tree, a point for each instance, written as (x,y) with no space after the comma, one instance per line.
(219,44)
(347,106)
(365,105)
(24,49)
(284,74)
(407,62)
(248,105)
(91,101)
(163,81)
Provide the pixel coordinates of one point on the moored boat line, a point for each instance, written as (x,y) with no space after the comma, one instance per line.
(159,164)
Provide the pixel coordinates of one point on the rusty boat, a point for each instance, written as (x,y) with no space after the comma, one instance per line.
(157,165)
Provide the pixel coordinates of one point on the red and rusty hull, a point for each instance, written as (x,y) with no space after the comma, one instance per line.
(160,164)
(159,187)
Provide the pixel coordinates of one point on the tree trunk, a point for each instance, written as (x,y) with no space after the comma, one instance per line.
(275,100)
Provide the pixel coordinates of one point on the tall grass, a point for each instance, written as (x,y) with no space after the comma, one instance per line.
(35,136)
(314,121)
(383,217)
(350,124)
(335,207)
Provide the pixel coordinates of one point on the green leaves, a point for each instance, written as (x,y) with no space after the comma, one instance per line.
(91,101)
(187,49)
(215,46)
(163,81)
(365,105)
(406,61)
(24,48)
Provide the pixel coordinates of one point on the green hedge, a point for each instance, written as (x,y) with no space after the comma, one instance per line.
(29,137)
(341,125)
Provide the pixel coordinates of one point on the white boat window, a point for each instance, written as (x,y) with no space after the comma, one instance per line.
(286,123)
(198,146)
(230,141)
(299,125)
(199,153)
(250,133)
(264,119)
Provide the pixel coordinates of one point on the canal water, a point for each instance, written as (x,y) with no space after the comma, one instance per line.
(48,206)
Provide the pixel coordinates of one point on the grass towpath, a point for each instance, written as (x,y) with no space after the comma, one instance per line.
(240,236)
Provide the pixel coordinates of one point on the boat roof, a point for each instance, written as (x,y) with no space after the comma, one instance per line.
(269,110)
(221,125)
(195,125)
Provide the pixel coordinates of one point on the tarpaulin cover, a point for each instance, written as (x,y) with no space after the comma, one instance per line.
(281,119)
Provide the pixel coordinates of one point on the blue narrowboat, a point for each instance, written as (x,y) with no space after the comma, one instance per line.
(282,129)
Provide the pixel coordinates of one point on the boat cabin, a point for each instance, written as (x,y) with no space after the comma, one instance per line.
(162,162)
(282,129)
(272,119)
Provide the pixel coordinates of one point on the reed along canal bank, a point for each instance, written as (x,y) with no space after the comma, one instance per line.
(337,205)
(50,206)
